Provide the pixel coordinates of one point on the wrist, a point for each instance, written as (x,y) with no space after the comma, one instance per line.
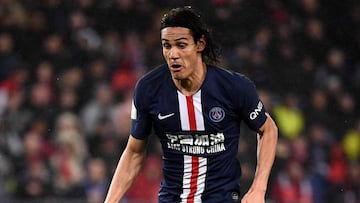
(259,188)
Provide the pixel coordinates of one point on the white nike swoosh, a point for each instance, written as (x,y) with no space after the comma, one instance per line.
(160,117)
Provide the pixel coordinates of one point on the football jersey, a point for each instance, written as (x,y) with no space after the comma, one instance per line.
(199,134)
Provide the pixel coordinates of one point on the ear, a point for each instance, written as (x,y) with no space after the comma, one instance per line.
(201,44)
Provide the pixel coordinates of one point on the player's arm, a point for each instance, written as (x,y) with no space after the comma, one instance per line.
(267,141)
(127,169)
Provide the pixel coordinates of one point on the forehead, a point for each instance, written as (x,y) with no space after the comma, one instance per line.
(175,33)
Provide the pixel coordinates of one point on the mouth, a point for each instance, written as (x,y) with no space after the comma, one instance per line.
(175,67)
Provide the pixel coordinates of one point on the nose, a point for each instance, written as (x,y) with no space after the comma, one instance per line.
(173,53)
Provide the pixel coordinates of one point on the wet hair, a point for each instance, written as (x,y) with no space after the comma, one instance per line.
(188,17)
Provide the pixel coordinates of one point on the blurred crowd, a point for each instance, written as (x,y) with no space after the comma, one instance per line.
(68,69)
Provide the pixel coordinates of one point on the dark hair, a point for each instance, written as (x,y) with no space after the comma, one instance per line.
(187,17)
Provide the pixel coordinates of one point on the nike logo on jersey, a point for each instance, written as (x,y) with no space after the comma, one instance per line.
(162,117)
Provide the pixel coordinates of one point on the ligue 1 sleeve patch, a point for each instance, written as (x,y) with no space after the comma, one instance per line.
(217,114)
(235,196)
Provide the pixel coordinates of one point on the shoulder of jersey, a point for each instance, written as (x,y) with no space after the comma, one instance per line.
(157,75)
(227,74)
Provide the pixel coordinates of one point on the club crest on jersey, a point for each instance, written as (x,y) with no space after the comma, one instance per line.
(217,114)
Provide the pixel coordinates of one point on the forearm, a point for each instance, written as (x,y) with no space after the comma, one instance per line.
(126,171)
(265,155)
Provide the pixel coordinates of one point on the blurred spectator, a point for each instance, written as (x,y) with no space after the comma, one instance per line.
(306,73)
(352,191)
(112,47)
(335,65)
(44,79)
(292,185)
(57,15)
(54,51)
(32,167)
(309,9)
(283,154)
(351,143)
(318,110)
(9,60)
(37,30)
(101,105)
(267,99)
(41,100)
(151,42)
(12,14)
(345,114)
(285,68)
(278,12)
(146,185)
(97,181)
(289,117)
(239,58)
(320,143)
(313,40)
(83,35)
(96,72)
(105,145)
(130,66)
(257,69)
(68,101)
(69,85)
(331,76)
(338,173)
(15,119)
(68,160)
(36,143)
(44,73)
(121,115)
(300,150)
(35,181)
(71,77)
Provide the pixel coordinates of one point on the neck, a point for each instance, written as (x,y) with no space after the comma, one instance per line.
(192,84)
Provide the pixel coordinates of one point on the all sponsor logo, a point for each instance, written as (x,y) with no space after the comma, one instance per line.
(257,110)
(235,196)
(197,144)
(216,114)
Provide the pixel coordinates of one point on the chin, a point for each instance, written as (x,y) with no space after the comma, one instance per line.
(178,76)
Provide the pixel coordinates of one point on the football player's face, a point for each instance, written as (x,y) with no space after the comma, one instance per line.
(180,51)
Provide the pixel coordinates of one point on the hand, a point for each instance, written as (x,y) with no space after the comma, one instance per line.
(254,196)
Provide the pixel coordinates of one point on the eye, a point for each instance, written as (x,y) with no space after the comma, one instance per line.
(166,45)
(181,45)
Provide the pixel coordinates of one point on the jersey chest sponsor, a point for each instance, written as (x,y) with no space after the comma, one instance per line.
(197,144)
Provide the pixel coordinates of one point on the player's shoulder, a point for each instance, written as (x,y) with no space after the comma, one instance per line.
(228,76)
(155,74)
(154,77)
(150,84)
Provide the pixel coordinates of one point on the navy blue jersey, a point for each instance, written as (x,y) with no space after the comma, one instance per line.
(199,134)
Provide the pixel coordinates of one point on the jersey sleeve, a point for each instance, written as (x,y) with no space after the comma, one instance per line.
(252,109)
(140,119)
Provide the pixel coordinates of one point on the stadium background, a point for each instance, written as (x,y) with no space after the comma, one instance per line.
(68,68)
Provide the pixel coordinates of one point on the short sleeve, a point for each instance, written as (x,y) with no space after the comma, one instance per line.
(252,108)
(140,119)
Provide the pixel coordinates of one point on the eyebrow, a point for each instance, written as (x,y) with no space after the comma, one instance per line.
(178,39)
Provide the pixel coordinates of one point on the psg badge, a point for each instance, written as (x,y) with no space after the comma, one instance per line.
(216,114)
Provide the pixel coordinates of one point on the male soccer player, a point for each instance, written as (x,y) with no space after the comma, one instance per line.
(195,109)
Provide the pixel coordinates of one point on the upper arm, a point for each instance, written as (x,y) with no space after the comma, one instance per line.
(268,126)
(135,145)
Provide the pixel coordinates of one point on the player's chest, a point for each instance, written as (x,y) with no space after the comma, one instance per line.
(172,111)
